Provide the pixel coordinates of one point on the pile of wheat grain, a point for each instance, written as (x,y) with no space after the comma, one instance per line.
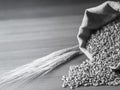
(104,45)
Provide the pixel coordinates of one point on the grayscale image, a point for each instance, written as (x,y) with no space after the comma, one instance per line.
(59,45)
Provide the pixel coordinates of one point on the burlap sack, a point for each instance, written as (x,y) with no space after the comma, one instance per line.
(95,18)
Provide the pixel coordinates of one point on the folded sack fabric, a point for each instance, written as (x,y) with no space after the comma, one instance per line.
(93,19)
(101,31)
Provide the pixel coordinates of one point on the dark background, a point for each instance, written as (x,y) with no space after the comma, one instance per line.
(12,9)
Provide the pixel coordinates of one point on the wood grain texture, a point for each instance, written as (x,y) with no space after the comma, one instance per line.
(23,41)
